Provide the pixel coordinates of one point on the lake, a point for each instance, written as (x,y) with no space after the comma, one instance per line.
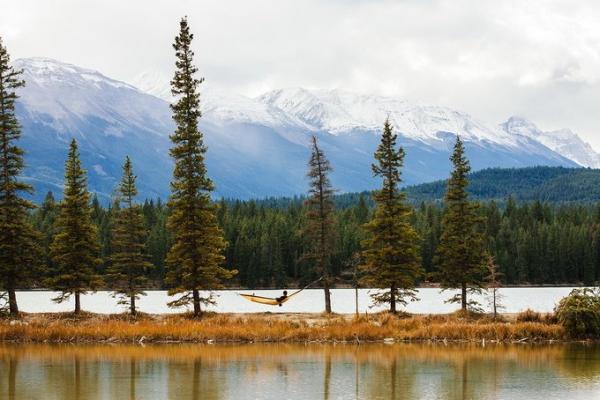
(400,371)
(541,299)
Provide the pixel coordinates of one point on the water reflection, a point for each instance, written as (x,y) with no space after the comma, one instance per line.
(299,372)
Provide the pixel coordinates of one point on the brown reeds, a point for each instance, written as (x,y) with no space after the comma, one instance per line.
(64,328)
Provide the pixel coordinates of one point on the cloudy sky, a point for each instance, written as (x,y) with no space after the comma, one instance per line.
(493,59)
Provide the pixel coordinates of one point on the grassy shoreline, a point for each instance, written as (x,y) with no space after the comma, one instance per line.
(277,328)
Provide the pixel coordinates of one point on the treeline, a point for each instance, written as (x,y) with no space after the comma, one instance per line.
(532,243)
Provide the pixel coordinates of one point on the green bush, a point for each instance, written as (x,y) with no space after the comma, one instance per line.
(579,313)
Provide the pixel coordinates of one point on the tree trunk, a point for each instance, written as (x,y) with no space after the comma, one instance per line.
(77,303)
(197,309)
(495,308)
(393,299)
(463,297)
(12,302)
(132,304)
(327,296)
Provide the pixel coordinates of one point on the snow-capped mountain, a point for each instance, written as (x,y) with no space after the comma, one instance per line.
(563,141)
(110,119)
(339,112)
(257,146)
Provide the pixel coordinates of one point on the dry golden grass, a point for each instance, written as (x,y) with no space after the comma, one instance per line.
(65,328)
(529,316)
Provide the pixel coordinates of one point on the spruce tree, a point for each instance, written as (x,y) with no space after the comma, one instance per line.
(195,259)
(19,252)
(319,228)
(44,222)
(75,246)
(128,273)
(391,253)
(361,212)
(460,256)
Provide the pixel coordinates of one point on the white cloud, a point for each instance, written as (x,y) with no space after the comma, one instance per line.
(536,58)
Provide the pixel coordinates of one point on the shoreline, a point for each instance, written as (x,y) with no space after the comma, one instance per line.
(89,328)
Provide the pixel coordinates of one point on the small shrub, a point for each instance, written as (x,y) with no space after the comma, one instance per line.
(579,313)
(529,316)
(469,314)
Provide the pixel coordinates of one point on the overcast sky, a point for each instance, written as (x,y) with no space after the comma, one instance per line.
(493,59)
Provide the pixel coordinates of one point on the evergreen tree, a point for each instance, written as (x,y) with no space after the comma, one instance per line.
(75,247)
(19,251)
(320,225)
(460,255)
(391,252)
(44,221)
(361,212)
(195,258)
(128,273)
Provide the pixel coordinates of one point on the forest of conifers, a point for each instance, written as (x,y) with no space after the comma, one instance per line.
(532,242)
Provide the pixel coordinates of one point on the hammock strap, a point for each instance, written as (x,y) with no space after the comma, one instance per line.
(305,287)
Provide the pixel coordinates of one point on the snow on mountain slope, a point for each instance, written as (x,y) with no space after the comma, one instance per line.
(69,93)
(219,106)
(257,147)
(339,112)
(112,119)
(155,83)
(563,141)
(109,119)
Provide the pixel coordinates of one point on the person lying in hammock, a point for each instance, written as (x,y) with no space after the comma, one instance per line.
(281,299)
(275,301)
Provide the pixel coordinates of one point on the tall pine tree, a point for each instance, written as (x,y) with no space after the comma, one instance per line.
(460,256)
(195,259)
(19,252)
(391,253)
(320,229)
(75,246)
(129,271)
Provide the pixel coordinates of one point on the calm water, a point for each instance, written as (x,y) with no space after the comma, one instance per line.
(300,372)
(431,301)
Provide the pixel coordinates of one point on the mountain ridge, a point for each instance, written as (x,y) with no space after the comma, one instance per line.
(258,147)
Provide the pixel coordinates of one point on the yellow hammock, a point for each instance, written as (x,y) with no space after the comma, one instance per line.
(275,301)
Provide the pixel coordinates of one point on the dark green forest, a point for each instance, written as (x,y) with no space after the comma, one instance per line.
(546,184)
(532,242)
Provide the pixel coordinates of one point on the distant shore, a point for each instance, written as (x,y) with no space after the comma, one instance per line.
(267,327)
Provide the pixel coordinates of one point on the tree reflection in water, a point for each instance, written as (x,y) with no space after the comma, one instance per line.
(294,371)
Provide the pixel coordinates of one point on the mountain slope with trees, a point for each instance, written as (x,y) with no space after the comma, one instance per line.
(549,184)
